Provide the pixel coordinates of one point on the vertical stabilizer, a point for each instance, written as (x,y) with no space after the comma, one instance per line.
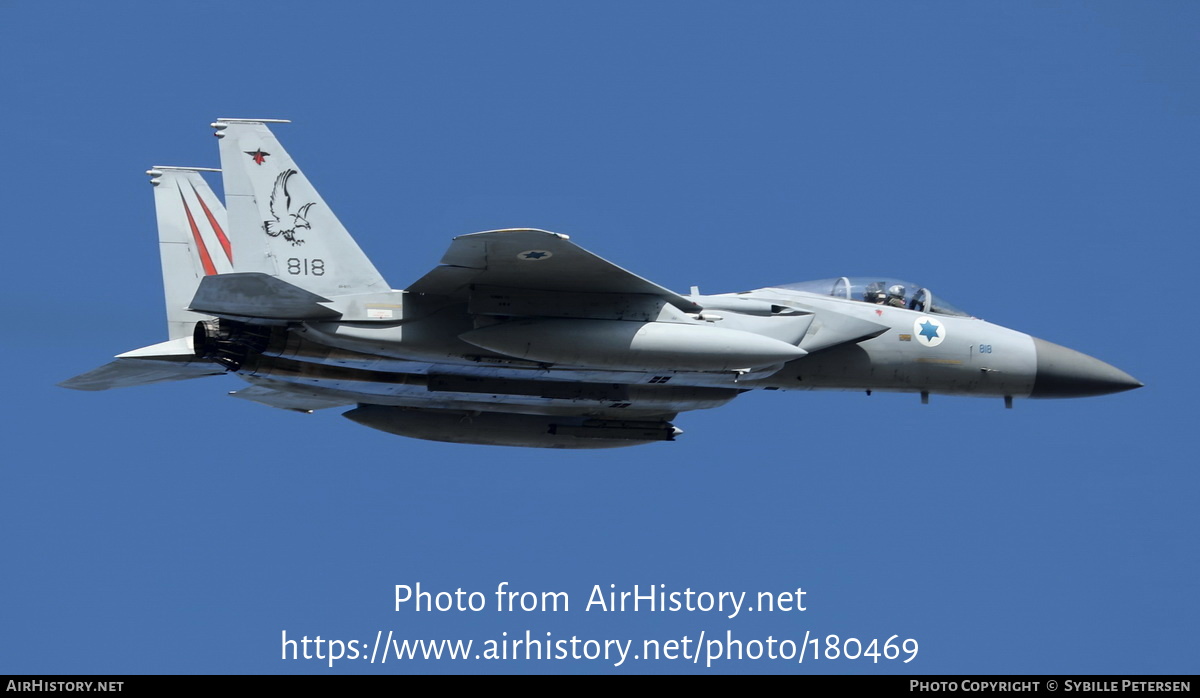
(280,224)
(193,240)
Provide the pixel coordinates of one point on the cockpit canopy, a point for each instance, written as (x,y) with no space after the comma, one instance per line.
(879,290)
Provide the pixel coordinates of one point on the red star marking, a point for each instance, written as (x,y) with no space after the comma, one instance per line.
(258,156)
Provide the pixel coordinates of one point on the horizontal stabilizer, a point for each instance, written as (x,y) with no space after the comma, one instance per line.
(257,295)
(170,350)
(124,373)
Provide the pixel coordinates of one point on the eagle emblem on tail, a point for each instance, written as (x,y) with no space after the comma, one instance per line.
(287,222)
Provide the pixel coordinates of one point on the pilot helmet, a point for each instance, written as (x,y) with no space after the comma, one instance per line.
(896,290)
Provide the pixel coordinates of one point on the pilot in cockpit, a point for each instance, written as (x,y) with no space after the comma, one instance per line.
(874,293)
(895,296)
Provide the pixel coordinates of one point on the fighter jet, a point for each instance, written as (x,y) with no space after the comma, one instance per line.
(520,337)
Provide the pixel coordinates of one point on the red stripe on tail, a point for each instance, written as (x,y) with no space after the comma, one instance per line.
(215,226)
(206,260)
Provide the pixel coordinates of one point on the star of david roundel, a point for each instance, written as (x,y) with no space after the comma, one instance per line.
(535,255)
(930,332)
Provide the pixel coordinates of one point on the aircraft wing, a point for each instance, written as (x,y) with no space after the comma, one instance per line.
(534,260)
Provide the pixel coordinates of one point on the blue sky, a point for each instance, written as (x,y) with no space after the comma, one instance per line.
(1034,163)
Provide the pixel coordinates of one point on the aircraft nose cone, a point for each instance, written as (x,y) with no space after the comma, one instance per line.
(1063,372)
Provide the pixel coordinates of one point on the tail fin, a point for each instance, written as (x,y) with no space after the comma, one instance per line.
(193,244)
(280,224)
(192,240)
